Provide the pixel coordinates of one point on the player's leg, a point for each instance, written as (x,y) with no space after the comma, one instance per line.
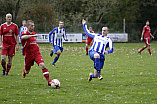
(39,60)
(11,53)
(3,63)
(149,46)
(149,50)
(58,52)
(87,44)
(96,58)
(102,59)
(146,44)
(9,65)
(29,61)
(45,72)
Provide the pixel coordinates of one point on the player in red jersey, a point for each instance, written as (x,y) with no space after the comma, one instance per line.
(89,40)
(10,34)
(147,34)
(32,53)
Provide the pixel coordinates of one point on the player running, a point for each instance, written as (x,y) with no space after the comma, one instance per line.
(32,53)
(89,40)
(57,41)
(22,28)
(147,34)
(10,35)
(97,50)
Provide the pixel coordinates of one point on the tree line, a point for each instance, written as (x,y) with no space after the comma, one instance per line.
(98,13)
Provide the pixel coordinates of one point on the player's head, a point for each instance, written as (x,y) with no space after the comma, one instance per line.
(24,23)
(90,29)
(30,25)
(147,23)
(61,24)
(105,31)
(8,18)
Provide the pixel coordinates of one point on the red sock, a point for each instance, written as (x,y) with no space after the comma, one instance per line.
(46,74)
(86,50)
(149,51)
(142,49)
(3,63)
(8,67)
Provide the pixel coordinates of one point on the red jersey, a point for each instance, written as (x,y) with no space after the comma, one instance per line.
(8,32)
(89,38)
(146,30)
(30,45)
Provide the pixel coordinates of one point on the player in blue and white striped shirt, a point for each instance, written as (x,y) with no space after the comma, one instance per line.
(57,40)
(22,28)
(98,49)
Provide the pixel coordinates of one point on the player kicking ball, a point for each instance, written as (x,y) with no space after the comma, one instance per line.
(31,50)
(98,49)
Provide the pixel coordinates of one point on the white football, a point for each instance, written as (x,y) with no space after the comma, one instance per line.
(55,83)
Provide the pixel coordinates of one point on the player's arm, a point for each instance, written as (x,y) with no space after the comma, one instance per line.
(51,41)
(151,35)
(92,35)
(142,33)
(1,46)
(25,36)
(110,47)
(20,33)
(64,35)
(17,38)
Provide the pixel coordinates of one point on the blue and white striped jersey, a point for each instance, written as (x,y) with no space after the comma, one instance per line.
(22,28)
(100,43)
(58,35)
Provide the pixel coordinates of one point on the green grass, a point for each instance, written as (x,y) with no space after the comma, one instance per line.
(128,78)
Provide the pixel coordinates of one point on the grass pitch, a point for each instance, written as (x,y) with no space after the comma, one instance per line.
(128,77)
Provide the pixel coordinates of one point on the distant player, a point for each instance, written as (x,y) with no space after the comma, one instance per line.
(97,50)
(32,53)
(147,34)
(89,40)
(10,34)
(57,41)
(22,28)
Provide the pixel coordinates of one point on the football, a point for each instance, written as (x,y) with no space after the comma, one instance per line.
(55,83)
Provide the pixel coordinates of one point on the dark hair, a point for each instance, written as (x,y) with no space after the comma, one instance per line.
(147,21)
(29,21)
(61,21)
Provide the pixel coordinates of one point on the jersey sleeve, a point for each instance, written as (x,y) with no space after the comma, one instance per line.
(92,35)
(51,34)
(110,46)
(1,30)
(144,28)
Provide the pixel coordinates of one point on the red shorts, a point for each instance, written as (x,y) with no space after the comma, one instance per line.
(89,41)
(8,50)
(30,58)
(147,41)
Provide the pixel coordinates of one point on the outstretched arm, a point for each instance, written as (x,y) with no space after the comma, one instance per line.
(24,37)
(92,35)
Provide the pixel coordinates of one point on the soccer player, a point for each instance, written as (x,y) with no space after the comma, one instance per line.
(32,53)
(58,34)
(89,40)
(10,35)
(22,28)
(98,49)
(147,34)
